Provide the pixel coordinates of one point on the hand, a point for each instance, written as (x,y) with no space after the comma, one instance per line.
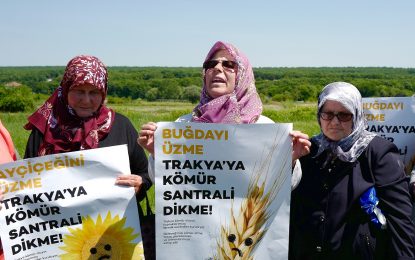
(130,180)
(301,145)
(146,136)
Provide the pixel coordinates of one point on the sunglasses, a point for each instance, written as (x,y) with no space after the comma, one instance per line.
(342,117)
(226,64)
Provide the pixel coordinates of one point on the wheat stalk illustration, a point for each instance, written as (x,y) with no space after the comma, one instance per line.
(246,229)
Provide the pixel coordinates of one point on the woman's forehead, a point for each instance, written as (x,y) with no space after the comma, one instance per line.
(332,104)
(84,86)
(222,54)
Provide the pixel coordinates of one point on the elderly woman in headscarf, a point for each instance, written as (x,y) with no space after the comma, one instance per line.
(228,96)
(353,200)
(76,118)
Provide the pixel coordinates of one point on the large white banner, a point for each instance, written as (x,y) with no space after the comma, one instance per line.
(393,118)
(67,206)
(222,191)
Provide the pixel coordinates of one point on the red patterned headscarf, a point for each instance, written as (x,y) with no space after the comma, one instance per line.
(62,129)
(242,106)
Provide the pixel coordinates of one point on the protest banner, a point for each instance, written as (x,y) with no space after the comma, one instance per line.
(67,206)
(222,191)
(393,119)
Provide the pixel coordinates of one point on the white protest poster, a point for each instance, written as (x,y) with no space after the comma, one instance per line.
(67,206)
(393,118)
(222,191)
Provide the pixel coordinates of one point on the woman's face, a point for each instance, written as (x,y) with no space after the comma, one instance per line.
(334,129)
(220,80)
(85,100)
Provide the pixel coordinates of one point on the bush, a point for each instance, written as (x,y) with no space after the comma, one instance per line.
(192,93)
(292,114)
(16,99)
(118,100)
(152,94)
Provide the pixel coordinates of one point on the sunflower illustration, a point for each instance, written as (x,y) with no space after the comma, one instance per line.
(103,239)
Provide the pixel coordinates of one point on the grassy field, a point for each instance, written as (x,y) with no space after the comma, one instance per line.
(302,115)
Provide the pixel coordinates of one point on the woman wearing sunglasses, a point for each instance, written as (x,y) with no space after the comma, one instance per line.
(228,96)
(353,200)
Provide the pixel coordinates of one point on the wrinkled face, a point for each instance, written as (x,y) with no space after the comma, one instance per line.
(220,80)
(334,129)
(85,100)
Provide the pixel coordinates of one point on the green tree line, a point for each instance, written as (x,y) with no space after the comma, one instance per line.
(185,83)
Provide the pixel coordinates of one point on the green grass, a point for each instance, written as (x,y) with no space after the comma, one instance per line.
(14,123)
(302,115)
(140,112)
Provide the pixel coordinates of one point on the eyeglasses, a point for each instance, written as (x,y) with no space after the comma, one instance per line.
(342,117)
(226,64)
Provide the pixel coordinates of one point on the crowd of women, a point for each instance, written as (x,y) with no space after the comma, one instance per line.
(350,197)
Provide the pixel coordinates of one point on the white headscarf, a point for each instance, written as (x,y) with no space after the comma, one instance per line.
(351,147)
